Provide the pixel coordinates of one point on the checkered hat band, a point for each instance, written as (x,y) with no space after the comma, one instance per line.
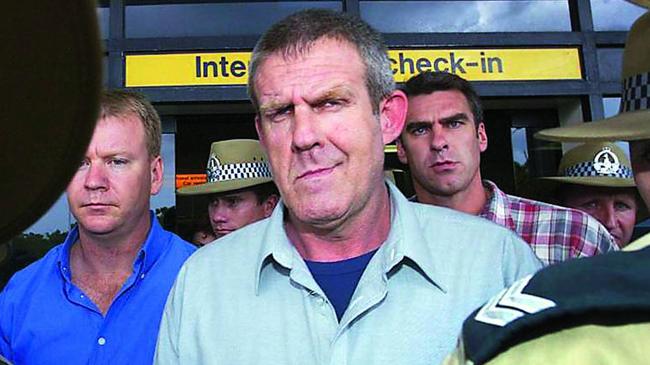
(587,169)
(239,171)
(636,95)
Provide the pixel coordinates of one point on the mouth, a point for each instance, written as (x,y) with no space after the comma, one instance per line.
(316,173)
(97,205)
(442,166)
(223,232)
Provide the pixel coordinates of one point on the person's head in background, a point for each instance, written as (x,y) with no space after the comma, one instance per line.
(239,186)
(232,210)
(442,141)
(597,178)
(201,232)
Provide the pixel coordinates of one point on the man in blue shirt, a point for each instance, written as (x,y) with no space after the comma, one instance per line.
(98,297)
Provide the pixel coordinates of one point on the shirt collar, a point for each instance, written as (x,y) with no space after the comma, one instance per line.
(405,239)
(497,207)
(153,246)
(64,254)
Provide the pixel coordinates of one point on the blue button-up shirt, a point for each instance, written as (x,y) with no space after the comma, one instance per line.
(46,319)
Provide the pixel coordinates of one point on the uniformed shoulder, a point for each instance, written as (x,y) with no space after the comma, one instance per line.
(564,295)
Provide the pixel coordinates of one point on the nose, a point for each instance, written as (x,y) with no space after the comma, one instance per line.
(306,133)
(96,178)
(218,212)
(438,138)
(607,216)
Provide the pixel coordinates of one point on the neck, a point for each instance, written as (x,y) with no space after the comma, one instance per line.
(110,253)
(350,236)
(470,200)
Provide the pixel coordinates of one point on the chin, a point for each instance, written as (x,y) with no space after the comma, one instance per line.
(97,225)
(321,214)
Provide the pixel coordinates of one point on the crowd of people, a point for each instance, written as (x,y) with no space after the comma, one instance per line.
(312,256)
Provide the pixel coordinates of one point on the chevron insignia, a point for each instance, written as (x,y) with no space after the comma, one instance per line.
(512,303)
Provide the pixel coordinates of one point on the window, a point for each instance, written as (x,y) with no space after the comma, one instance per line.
(467,16)
(102,18)
(604,19)
(610,63)
(208,19)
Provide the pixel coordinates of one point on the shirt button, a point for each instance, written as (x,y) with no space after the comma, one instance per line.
(101,341)
(142,276)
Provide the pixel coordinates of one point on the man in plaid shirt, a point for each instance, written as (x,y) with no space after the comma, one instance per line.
(442,141)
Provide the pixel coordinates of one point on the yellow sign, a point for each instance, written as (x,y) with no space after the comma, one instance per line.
(231,68)
(490,64)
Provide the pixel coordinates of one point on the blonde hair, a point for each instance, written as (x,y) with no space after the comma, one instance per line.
(120,103)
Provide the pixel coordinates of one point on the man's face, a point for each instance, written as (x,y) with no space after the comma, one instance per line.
(110,191)
(231,211)
(441,144)
(640,159)
(615,208)
(317,126)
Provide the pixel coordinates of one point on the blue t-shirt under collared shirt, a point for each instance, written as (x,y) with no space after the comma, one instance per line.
(46,319)
(339,279)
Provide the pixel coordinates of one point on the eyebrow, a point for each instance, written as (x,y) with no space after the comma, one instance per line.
(417,124)
(457,116)
(272,105)
(335,92)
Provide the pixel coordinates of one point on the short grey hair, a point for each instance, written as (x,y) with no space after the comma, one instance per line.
(294,36)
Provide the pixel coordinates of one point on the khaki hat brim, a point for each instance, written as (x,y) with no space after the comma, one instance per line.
(222,186)
(630,126)
(601,181)
(51,81)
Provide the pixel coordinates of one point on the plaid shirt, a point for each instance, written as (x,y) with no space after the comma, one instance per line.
(554,233)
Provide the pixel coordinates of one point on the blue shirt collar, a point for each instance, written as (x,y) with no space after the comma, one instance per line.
(151,249)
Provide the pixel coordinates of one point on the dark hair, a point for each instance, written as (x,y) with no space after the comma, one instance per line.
(294,36)
(428,82)
(264,191)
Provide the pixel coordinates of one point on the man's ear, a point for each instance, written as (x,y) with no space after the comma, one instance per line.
(269,205)
(482,137)
(156,166)
(392,115)
(401,151)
